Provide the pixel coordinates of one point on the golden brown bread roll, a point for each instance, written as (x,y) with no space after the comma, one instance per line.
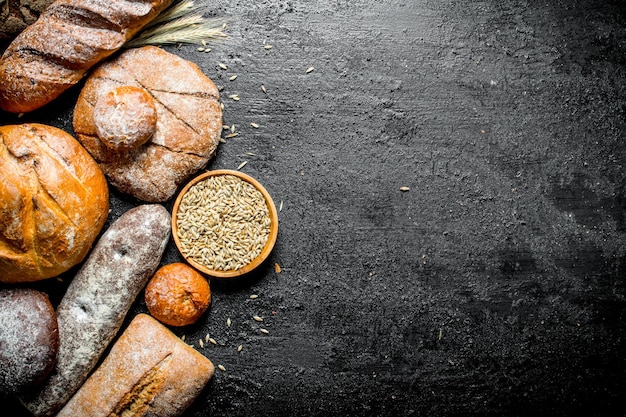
(188,128)
(149,372)
(177,294)
(54,200)
(68,39)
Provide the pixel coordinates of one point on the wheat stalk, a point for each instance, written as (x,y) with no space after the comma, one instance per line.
(175,11)
(180,23)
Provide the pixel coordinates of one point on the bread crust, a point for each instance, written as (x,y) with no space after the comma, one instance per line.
(189,122)
(125,118)
(65,42)
(98,298)
(149,372)
(177,295)
(15,15)
(29,339)
(54,200)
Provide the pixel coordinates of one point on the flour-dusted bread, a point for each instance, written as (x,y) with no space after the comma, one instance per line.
(29,339)
(54,201)
(188,126)
(97,300)
(67,40)
(15,15)
(149,372)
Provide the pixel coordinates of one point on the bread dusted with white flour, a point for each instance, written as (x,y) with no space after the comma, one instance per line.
(65,42)
(97,300)
(149,372)
(187,130)
(29,339)
(15,15)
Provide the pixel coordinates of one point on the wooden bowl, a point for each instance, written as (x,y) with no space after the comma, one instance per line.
(271,240)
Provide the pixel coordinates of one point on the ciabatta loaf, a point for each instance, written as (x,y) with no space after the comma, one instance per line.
(149,372)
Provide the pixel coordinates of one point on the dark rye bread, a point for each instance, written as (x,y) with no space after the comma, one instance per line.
(29,339)
(97,300)
(15,15)
(67,40)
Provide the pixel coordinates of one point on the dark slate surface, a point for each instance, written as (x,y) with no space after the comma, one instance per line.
(496,284)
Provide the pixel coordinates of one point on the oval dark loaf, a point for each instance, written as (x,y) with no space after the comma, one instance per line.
(29,339)
(68,39)
(97,300)
(15,15)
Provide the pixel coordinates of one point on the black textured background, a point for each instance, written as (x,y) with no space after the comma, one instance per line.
(496,284)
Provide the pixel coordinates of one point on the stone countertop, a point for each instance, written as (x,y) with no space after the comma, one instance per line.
(452,227)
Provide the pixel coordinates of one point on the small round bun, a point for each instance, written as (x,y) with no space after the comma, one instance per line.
(29,339)
(177,295)
(125,118)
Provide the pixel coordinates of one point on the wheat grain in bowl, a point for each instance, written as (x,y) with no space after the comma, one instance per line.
(224,223)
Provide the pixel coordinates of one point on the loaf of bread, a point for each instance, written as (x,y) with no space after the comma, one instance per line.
(29,339)
(97,300)
(15,15)
(54,201)
(149,372)
(67,40)
(187,131)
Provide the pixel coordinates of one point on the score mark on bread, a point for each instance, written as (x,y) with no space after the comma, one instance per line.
(149,371)
(188,127)
(54,201)
(143,392)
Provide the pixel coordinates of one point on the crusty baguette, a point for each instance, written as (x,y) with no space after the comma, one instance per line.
(149,372)
(97,300)
(68,39)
